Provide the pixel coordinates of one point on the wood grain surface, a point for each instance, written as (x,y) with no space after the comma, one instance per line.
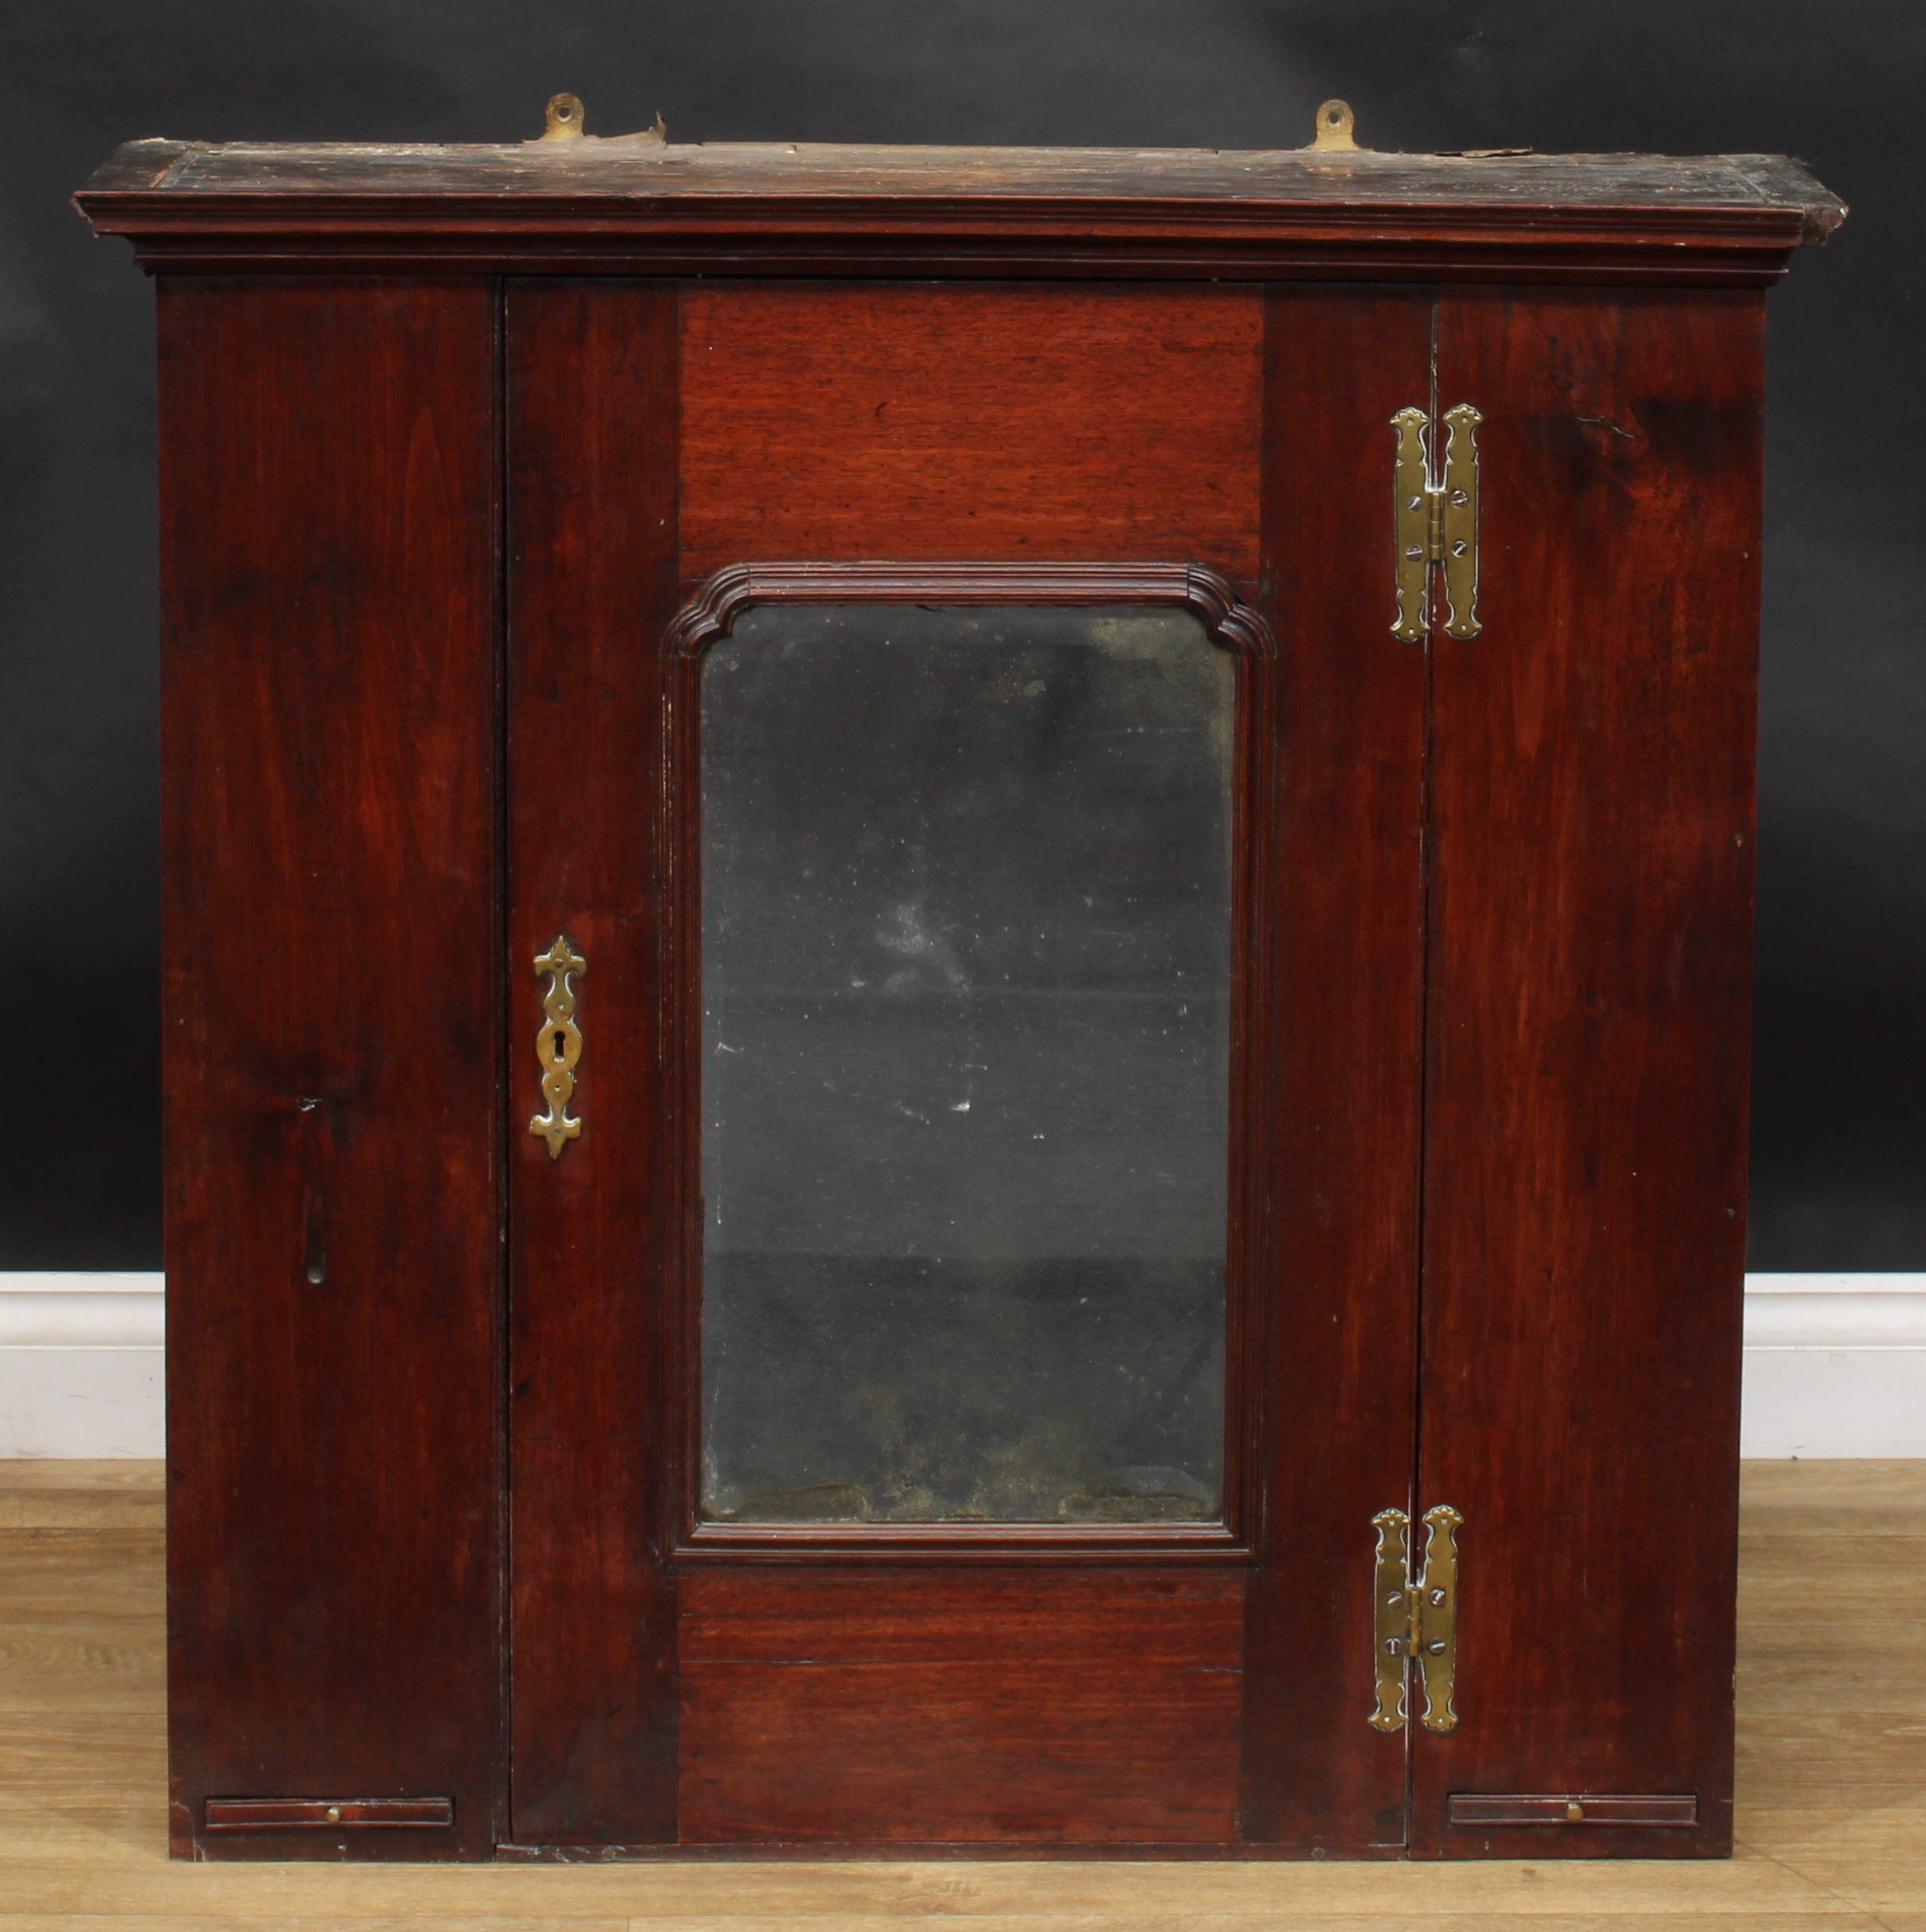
(1588,1053)
(624,170)
(591,535)
(331,1001)
(1339,1192)
(1831,1818)
(1060,1705)
(731,209)
(822,422)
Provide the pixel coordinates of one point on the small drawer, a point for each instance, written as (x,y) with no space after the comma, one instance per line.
(325,1814)
(1572,1807)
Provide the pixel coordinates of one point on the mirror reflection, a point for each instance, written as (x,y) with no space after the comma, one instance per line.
(966,892)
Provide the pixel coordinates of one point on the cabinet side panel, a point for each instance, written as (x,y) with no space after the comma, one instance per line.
(592,437)
(332,1047)
(1588,1057)
(1338,1191)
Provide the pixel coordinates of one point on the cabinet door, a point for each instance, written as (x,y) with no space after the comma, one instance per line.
(1587,1051)
(965,915)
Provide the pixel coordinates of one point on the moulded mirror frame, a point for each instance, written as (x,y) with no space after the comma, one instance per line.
(711,614)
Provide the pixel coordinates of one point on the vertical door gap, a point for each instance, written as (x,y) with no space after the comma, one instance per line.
(1426,848)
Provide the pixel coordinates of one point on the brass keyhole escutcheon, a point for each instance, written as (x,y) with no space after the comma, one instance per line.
(559,1045)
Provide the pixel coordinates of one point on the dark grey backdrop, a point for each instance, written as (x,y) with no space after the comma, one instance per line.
(1839,1178)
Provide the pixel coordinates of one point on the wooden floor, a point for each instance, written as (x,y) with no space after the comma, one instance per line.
(1831,1774)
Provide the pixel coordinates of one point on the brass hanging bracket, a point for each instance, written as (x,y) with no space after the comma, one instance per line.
(1436,523)
(1415,1617)
(566,119)
(1334,128)
(559,1045)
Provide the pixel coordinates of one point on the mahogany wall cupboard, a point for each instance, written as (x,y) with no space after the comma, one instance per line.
(956,984)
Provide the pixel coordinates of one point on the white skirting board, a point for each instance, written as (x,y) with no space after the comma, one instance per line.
(1835,1365)
(80,1365)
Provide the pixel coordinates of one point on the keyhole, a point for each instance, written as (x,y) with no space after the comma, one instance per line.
(561,1047)
(314,1258)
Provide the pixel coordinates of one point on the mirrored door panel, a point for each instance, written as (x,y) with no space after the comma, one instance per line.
(955,1366)
(966,995)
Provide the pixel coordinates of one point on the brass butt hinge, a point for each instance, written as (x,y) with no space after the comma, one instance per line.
(1417,1617)
(1436,523)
